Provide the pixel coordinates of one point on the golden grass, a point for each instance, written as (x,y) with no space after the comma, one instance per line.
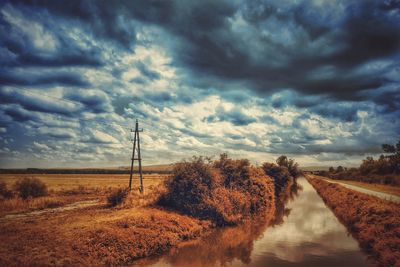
(68,188)
(372,221)
(94,236)
(71,181)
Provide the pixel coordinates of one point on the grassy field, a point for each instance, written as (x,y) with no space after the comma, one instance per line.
(372,221)
(60,182)
(65,189)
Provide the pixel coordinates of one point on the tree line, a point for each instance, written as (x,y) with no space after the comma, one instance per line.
(384,170)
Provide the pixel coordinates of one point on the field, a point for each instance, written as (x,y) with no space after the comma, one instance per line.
(91,235)
(65,189)
(59,182)
(372,221)
(77,223)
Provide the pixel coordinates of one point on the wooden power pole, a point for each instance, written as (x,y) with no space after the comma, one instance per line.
(136,141)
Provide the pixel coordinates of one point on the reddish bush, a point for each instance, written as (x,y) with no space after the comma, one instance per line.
(226,191)
(30,187)
(117,196)
(280,176)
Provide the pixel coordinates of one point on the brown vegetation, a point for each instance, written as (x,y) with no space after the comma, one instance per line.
(64,189)
(226,191)
(372,221)
(222,192)
(93,235)
(117,196)
(5,193)
(30,187)
(284,174)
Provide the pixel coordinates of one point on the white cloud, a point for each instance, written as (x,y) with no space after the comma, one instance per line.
(41,146)
(101,137)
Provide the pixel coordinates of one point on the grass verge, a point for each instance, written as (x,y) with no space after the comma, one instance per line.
(372,221)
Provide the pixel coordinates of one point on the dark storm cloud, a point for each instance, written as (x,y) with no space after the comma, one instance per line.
(35,103)
(94,101)
(234,116)
(19,50)
(210,43)
(42,79)
(19,114)
(107,20)
(151,74)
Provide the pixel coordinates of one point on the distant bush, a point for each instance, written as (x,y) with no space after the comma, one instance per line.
(4,191)
(30,187)
(117,196)
(225,191)
(280,175)
(290,164)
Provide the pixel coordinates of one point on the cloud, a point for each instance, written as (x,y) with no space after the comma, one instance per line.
(100,137)
(36,102)
(255,79)
(28,41)
(41,146)
(29,79)
(59,133)
(94,100)
(235,116)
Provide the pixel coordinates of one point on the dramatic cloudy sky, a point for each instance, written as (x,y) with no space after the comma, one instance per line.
(317,80)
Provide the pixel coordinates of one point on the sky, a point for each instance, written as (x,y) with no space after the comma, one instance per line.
(316,80)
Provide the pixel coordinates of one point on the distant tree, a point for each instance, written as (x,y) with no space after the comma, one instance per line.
(331,169)
(388,148)
(393,157)
(339,169)
(282,161)
(290,164)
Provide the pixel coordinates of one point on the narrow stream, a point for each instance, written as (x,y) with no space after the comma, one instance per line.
(306,233)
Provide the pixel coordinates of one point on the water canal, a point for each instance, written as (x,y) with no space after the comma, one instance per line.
(304,233)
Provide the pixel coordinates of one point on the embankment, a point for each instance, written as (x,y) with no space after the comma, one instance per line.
(373,222)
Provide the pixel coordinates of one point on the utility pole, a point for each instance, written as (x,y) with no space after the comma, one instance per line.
(136,140)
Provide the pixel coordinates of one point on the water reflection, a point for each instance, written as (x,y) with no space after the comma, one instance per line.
(303,233)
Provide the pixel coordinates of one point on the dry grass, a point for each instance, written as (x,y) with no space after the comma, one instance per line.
(68,188)
(57,182)
(372,221)
(94,236)
(100,235)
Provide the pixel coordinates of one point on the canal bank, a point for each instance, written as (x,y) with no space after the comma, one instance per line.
(308,234)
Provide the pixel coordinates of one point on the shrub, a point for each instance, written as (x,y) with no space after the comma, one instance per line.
(30,187)
(291,166)
(225,191)
(4,191)
(279,174)
(117,196)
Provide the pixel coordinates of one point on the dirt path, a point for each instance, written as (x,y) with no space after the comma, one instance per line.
(72,206)
(381,195)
